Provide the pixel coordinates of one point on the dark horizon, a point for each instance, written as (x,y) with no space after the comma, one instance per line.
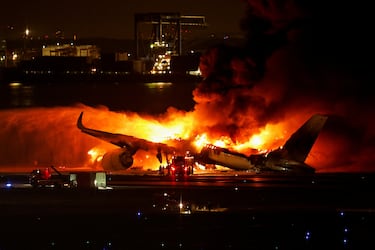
(115,19)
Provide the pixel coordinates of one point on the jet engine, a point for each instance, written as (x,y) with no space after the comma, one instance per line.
(118,159)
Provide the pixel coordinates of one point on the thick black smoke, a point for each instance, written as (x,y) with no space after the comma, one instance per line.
(301,57)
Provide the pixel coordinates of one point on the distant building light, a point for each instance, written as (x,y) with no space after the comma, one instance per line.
(15,84)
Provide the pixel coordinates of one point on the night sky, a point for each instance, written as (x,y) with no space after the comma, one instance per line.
(112,18)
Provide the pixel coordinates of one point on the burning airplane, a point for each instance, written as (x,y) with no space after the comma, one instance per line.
(299,59)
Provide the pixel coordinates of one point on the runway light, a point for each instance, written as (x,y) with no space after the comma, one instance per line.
(307,235)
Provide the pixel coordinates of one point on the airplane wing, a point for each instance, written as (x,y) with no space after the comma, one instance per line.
(131,143)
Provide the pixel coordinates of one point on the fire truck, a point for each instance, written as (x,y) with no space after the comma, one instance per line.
(181,165)
(45,178)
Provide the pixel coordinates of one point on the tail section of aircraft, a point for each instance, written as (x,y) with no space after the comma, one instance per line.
(298,146)
(288,158)
(292,155)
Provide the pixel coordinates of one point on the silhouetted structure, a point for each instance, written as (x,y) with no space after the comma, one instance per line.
(166,30)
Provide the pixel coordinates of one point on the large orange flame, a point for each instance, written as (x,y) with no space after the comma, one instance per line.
(177,125)
(49,136)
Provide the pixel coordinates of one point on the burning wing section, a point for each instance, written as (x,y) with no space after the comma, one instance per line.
(122,158)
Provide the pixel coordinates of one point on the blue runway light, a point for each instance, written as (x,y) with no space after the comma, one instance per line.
(307,235)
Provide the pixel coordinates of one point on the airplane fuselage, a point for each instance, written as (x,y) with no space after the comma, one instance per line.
(272,161)
(225,158)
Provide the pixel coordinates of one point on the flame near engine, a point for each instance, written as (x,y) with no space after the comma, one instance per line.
(299,59)
(49,135)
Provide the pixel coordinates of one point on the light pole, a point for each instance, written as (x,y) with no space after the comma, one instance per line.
(26,36)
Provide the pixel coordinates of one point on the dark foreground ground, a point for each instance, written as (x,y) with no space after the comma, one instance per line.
(329,212)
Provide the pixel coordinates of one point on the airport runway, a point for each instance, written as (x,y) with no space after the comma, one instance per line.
(228,211)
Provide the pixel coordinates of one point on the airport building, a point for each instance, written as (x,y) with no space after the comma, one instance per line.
(165,38)
(163,44)
(90,51)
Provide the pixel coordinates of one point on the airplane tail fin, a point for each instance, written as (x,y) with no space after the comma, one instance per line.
(79,122)
(300,143)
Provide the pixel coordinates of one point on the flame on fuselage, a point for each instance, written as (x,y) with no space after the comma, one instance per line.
(179,125)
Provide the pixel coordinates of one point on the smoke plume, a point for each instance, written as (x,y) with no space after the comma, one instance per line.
(301,57)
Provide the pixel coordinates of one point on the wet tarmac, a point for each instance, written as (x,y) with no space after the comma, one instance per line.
(226,211)
(328,211)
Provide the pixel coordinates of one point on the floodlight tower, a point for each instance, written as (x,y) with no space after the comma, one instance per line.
(166,31)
